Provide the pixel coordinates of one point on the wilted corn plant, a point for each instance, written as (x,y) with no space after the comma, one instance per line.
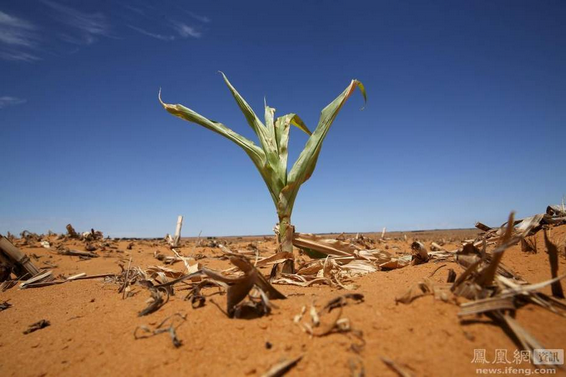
(271,159)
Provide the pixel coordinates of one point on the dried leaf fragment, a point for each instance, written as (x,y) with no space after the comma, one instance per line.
(77,253)
(37,326)
(324,323)
(343,300)
(240,287)
(161,328)
(282,367)
(553,259)
(356,366)
(486,305)
(155,303)
(402,372)
(46,276)
(418,290)
(195,296)
(4,305)
(420,254)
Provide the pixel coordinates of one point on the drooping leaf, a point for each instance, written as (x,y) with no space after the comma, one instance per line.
(253,151)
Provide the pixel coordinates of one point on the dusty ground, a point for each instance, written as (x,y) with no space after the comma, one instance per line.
(92,327)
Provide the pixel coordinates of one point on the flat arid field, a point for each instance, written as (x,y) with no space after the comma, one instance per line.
(95,327)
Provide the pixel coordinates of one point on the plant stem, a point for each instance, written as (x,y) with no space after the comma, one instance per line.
(286,231)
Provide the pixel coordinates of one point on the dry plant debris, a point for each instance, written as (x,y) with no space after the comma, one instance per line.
(336,262)
(553,258)
(37,326)
(77,253)
(4,305)
(5,272)
(401,372)
(485,287)
(14,261)
(43,277)
(323,322)
(491,288)
(248,282)
(155,302)
(240,287)
(356,367)
(282,367)
(168,325)
(420,254)
(196,297)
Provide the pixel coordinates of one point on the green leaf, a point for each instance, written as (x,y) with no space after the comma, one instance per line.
(266,138)
(298,122)
(306,163)
(260,130)
(282,129)
(253,151)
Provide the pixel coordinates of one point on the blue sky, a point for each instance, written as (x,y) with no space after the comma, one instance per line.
(465,119)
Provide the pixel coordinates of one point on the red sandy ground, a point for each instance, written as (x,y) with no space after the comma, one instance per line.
(91,332)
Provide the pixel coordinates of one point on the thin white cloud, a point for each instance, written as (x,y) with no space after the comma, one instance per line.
(18,56)
(85,39)
(89,25)
(17,38)
(6,101)
(16,31)
(153,35)
(185,30)
(198,17)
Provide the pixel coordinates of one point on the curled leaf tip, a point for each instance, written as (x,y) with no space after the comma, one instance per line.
(159,97)
(363,90)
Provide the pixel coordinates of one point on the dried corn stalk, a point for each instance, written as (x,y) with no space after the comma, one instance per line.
(240,287)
